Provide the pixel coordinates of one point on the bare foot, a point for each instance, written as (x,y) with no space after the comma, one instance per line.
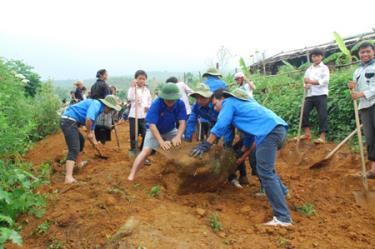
(70,180)
(131,178)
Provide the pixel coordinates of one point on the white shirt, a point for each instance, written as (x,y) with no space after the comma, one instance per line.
(247,87)
(185,90)
(321,74)
(143,101)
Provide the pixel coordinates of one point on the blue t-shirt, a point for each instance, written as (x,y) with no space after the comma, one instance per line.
(214,83)
(248,116)
(86,109)
(164,118)
(207,113)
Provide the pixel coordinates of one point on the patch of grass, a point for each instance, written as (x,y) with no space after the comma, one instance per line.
(155,191)
(307,209)
(41,229)
(283,242)
(137,185)
(141,246)
(215,223)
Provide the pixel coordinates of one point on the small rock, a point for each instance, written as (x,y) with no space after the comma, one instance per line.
(200,211)
(110,201)
(221,235)
(245,210)
(315,244)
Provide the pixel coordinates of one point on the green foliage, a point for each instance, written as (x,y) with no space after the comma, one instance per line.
(17,196)
(307,209)
(32,81)
(283,242)
(23,119)
(341,44)
(283,94)
(214,221)
(41,229)
(155,191)
(56,244)
(356,46)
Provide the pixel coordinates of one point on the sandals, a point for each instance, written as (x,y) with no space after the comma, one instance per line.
(370,175)
(303,137)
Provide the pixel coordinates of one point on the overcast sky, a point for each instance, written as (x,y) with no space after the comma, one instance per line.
(73,38)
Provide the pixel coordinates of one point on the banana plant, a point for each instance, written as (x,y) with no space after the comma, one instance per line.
(344,56)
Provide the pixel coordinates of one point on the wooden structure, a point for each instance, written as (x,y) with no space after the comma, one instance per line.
(298,57)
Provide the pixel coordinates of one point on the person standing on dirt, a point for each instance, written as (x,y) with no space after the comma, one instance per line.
(185,90)
(100,89)
(316,81)
(239,109)
(213,80)
(203,108)
(164,114)
(82,113)
(78,93)
(140,101)
(363,89)
(244,83)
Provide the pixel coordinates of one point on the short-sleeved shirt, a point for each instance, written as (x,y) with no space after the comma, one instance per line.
(214,83)
(249,117)
(163,117)
(86,109)
(364,76)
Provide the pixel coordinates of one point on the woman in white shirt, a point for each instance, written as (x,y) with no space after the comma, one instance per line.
(185,90)
(140,100)
(244,84)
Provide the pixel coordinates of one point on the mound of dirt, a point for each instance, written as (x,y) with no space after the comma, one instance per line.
(99,208)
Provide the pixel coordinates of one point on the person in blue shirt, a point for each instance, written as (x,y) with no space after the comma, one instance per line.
(213,79)
(161,119)
(82,113)
(238,109)
(203,108)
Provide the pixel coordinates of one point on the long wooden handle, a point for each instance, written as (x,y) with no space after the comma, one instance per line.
(341,144)
(136,118)
(359,132)
(117,139)
(301,116)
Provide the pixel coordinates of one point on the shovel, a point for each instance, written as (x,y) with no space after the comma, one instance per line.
(327,158)
(364,197)
(117,139)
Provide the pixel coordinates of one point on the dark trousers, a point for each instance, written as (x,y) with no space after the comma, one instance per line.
(141,131)
(320,103)
(242,167)
(368,121)
(73,138)
(205,130)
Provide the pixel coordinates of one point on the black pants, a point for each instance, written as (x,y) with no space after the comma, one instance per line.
(320,103)
(73,138)
(102,134)
(242,167)
(141,131)
(368,121)
(205,130)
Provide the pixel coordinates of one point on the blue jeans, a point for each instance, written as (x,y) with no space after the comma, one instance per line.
(266,157)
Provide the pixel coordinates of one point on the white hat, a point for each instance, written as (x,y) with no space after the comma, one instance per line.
(239,75)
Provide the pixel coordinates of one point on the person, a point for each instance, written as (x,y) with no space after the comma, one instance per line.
(185,90)
(213,80)
(363,89)
(205,128)
(316,81)
(244,83)
(203,108)
(113,90)
(100,89)
(82,113)
(73,99)
(78,93)
(238,109)
(140,101)
(165,112)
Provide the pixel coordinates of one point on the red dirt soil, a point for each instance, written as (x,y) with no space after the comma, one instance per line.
(87,214)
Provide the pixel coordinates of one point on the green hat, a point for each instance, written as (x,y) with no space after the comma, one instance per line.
(111,102)
(202,90)
(238,93)
(170,92)
(212,71)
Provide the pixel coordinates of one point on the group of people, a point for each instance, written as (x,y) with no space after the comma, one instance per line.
(169,119)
